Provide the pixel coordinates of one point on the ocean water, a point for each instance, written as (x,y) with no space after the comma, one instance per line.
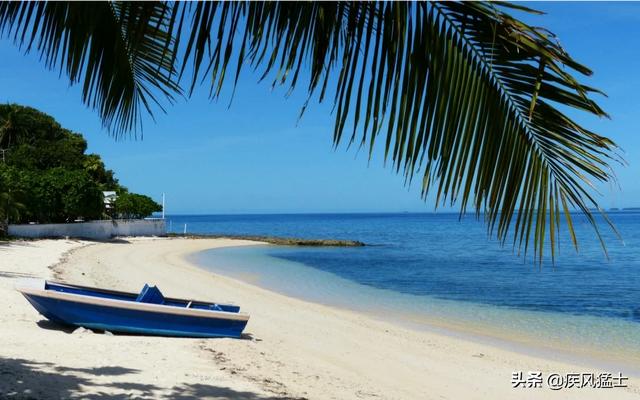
(433,270)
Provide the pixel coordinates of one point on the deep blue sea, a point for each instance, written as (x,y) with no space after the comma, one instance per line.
(435,267)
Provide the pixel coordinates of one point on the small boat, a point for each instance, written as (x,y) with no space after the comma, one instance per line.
(147,312)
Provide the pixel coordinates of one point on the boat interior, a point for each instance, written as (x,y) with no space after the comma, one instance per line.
(148,294)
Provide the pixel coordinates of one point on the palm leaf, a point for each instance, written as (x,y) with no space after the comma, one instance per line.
(119,52)
(461,95)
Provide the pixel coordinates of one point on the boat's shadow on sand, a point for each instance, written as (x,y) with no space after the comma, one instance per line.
(54,326)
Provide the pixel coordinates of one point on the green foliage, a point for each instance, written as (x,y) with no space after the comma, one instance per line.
(104,177)
(54,195)
(34,140)
(71,194)
(10,207)
(463,96)
(67,151)
(46,176)
(116,50)
(131,205)
(24,125)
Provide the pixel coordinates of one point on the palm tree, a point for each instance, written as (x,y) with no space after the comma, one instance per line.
(9,130)
(10,209)
(462,95)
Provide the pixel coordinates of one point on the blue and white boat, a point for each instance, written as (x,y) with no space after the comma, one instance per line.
(147,312)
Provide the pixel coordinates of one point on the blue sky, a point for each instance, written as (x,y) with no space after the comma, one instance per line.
(257,157)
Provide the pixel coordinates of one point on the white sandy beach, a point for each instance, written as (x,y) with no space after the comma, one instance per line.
(293,350)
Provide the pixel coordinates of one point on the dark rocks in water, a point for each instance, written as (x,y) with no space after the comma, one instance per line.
(280,240)
(311,242)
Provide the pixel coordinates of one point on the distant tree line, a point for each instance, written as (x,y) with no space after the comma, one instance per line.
(132,205)
(46,175)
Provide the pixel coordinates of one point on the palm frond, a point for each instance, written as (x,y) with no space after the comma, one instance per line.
(119,52)
(461,94)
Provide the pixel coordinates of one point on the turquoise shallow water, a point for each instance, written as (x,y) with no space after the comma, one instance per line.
(428,270)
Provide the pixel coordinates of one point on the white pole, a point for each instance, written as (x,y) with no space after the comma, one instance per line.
(185,229)
(162,205)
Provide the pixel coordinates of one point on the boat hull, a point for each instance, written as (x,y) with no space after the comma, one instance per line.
(129,317)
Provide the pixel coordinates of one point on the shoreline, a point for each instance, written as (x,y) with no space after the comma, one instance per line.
(558,349)
(297,349)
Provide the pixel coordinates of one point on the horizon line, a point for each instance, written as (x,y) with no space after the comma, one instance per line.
(614,209)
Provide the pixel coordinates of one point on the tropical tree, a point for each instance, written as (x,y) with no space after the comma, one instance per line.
(132,205)
(462,95)
(9,129)
(46,164)
(94,165)
(10,208)
(52,195)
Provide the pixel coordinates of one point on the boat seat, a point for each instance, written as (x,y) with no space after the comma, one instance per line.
(150,294)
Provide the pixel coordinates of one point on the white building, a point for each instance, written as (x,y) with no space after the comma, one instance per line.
(109,199)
